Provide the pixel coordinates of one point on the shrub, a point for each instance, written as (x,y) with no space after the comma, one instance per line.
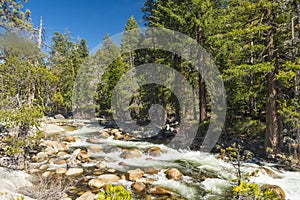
(114,193)
(250,191)
(50,188)
(20,145)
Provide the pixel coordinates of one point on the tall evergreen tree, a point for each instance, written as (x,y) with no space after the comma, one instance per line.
(66,57)
(108,57)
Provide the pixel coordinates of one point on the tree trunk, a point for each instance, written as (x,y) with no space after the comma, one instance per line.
(202,102)
(272,136)
(272,132)
(202,89)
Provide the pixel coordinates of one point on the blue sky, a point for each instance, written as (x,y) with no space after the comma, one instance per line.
(89,19)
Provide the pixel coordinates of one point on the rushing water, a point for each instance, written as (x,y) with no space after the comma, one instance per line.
(205,176)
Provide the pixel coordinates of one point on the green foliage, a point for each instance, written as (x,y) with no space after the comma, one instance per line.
(114,193)
(25,84)
(243,188)
(66,58)
(12,17)
(108,57)
(250,191)
(19,145)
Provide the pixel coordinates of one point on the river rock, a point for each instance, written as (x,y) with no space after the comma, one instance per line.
(74,171)
(114,131)
(60,162)
(69,138)
(150,170)
(118,136)
(160,191)
(54,147)
(44,167)
(101,166)
(33,171)
(131,153)
(107,178)
(52,160)
(123,177)
(60,171)
(93,140)
(83,156)
(138,186)
(96,183)
(50,151)
(275,188)
(270,172)
(145,180)
(173,174)
(52,128)
(154,151)
(59,116)
(127,136)
(12,181)
(47,174)
(132,175)
(104,134)
(95,149)
(62,153)
(86,196)
(111,170)
(41,156)
(122,163)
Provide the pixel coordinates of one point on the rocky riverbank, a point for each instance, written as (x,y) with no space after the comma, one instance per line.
(83,161)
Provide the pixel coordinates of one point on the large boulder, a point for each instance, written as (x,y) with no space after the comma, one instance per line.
(12,180)
(173,174)
(160,191)
(74,171)
(154,151)
(150,170)
(96,183)
(60,170)
(103,179)
(52,128)
(107,178)
(59,116)
(131,153)
(41,156)
(275,188)
(138,186)
(135,174)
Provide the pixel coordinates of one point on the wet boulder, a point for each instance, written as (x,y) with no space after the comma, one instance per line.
(173,174)
(131,153)
(74,171)
(132,175)
(138,186)
(275,188)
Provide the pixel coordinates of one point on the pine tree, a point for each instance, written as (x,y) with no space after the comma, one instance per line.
(66,57)
(252,51)
(108,57)
(12,17)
